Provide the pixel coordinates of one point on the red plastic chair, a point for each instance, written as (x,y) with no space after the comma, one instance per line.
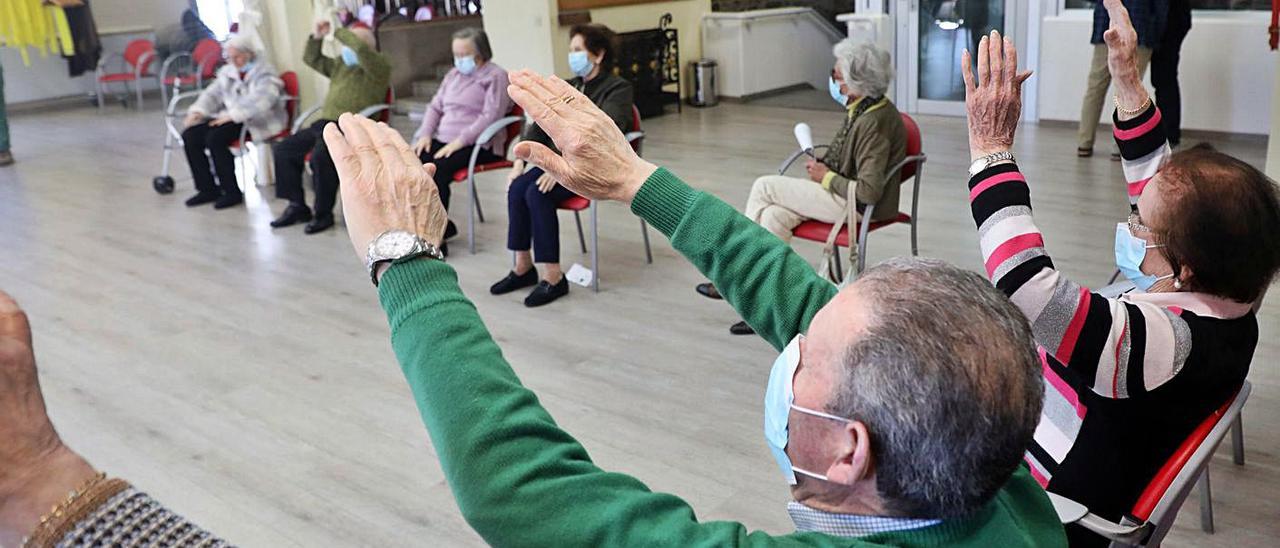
(577,204)
(183,70)
(1156,509)
(910,168)
(512,124)
(135,65)
(290,98)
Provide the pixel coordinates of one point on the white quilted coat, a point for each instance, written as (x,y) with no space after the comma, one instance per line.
(258,101)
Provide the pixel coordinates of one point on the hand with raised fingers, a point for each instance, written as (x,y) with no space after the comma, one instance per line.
(595,160)
(994,98)
(384,185)
(1122,57)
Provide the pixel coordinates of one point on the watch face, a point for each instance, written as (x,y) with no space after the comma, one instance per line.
(395,244)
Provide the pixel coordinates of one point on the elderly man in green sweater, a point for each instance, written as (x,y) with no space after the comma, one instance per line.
(357,79)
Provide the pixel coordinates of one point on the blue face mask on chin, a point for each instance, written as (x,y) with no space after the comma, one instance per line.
(580,64)
(247,67)
(1130,251)
(465,65)
(779,400)
(834,87)
(349,56)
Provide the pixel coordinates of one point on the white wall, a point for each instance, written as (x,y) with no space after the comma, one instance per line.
(112,15)
(765,50)
(1227,74)
(48,77)
(521,33)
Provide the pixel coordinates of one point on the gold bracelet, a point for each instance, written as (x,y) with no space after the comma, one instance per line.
(1142,108)
(59,509)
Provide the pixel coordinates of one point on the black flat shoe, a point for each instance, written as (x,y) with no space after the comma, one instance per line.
(450,230)
(202,199)
(546,292)
(708,290)
(741,328)
(319,224)
(1083,152)
(513,282)
(229,201)
(292,215)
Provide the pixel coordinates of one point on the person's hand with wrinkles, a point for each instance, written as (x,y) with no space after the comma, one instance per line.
(384,185)
(994,100)
(595,160)
(1122,57)
(36,469)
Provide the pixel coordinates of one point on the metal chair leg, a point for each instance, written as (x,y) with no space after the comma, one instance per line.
(475,197)
(1237,440)
(839,268)
(595,249)
(471,212)
(648,252)
(915,249)
(582,240)
(1206,502)
(137,87)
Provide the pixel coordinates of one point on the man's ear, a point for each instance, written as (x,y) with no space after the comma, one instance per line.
(854,461)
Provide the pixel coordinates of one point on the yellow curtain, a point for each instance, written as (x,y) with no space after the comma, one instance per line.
(32,24)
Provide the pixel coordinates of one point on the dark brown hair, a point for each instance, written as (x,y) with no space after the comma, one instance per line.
(1223,224)
(600,40)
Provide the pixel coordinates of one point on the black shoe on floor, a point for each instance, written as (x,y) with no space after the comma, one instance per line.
(292,215)
(450,230)
(547,292)
(229,201)
(319,224)
(444,250)
(741,328)
(708,290)
(6,158)
(1115,156)
(513,282)
(202,199)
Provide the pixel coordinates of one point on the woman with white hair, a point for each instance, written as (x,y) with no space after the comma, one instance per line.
(871,138)
(246,91)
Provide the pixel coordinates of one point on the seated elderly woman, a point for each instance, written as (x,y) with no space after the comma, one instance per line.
(871,138)
(532,196)
(247,91)
(472,96)
(1126,379)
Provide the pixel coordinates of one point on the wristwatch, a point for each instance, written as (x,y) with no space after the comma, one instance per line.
(987,161)
(396,246)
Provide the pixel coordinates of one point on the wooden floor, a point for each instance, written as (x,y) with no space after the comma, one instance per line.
(244,375)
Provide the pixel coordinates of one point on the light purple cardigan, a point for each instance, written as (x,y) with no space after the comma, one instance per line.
(466,104)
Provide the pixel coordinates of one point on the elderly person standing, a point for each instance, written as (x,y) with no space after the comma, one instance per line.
(357,80)
(871,138)
(472,96)
(1126,379)
(1149,18)
(246,92)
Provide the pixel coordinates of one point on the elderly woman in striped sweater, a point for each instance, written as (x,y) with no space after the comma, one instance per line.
(1126,379)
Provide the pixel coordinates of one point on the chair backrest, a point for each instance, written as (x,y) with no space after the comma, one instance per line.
(514,130)
(638,143)
(290,79)
(139,54)
(1160,501)
(206,56)
(385,115)
(915,145)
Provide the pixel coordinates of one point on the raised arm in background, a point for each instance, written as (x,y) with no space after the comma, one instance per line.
(312,55)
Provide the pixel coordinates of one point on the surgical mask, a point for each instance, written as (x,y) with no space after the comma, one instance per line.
(834,87)
(349,56)
(1130,251)
(247,67)
(465,65)
(779,400)
(580,64)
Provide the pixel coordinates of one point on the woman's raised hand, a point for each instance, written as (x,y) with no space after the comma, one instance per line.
(596,161)
(994,99)
(1122,57)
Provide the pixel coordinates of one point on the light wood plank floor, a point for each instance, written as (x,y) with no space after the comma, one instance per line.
(244,376)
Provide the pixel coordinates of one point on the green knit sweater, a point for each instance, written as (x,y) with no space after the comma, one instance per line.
(520,480)
(351,89)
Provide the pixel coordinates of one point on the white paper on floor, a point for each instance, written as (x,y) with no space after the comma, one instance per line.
(580,275)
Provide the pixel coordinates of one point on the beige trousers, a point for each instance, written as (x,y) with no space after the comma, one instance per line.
(780,204)
(1096,94)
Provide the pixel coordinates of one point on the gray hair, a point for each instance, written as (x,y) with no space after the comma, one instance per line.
(948,381)
(866,68)
(478,39)
(243,43)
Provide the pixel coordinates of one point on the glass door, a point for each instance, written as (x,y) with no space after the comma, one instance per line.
(933,35)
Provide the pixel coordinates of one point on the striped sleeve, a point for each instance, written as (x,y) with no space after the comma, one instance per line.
(1124,348)
(1143,149)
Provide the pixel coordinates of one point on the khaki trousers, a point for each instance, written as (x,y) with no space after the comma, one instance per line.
(1096,94)
(780,204)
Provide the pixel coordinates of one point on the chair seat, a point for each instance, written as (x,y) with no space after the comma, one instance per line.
(576,203)
(461,175)
(818,231)
(118,77)
(184,80)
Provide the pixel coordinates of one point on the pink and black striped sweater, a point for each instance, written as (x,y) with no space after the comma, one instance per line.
(1126,379)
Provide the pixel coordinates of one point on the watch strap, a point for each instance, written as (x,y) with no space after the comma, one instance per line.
(426,250)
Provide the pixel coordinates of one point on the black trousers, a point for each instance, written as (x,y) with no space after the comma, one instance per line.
(532,216)
(449,165)
(290,155)
(217,140)
(1164,73)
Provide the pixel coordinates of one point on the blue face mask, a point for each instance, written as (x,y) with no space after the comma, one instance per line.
(834,87)
(349,56)
(465,65)
(580,64)
(1130,251)
(247,67)
(779,400)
